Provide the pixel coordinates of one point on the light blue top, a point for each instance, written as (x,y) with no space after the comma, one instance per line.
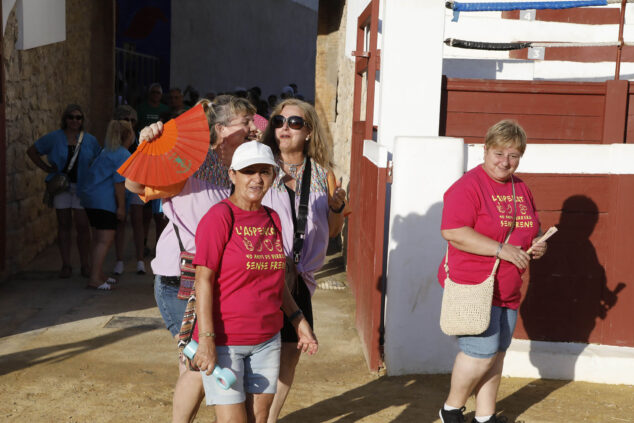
(55,146)
(98,188)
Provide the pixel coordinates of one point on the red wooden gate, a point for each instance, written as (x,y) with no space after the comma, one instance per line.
(582,290)
(367,195)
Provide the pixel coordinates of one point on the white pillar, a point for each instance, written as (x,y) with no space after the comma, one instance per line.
(424,167)
(411,69)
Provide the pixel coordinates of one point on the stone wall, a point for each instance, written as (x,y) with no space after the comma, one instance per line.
(39,83)
(334,89)
(334,83)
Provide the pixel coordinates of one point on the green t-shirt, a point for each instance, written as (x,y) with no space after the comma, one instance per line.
(148,114)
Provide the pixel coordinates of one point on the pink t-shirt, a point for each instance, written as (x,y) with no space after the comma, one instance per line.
(479,202)
(249,267)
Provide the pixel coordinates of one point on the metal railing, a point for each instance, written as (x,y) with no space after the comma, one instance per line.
(134,72)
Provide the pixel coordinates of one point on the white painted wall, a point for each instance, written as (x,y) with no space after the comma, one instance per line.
(411,67)
(219,45)
(424,168)
(39,22)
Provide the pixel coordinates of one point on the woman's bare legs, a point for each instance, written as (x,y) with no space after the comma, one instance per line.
(188,394)
(136,218)
(486,391)
(258,406)
(289,358)
(103,241)
(468,373)
(64,228)
(82,226)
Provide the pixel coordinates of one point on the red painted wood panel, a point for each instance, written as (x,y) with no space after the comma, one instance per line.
(579,54)
(574,294)
(576,129)
(533,103)
(582,15)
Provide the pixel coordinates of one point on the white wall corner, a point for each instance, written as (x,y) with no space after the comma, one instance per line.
(376,153)
(424,167)
(40,22)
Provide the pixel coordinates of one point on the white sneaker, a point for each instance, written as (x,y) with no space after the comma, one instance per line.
(118,268)
(140,267)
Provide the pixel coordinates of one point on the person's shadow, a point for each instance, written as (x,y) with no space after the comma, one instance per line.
(566,297)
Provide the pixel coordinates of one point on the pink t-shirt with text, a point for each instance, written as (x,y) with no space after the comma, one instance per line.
(479,202)
(249,270)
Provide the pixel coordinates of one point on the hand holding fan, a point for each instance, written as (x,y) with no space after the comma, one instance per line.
(175,155)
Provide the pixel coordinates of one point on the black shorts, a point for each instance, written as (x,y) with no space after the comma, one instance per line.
(102,219)
(302,298)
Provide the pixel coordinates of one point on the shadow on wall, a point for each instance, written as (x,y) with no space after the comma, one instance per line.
(414,341)
(566,296)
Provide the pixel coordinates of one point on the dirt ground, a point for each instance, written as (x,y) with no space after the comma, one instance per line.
(72,355)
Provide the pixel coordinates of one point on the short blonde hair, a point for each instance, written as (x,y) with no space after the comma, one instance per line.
(117,131)
(506,133)
(319,146)
(223,110)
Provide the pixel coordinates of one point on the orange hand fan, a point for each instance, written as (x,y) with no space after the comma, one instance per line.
(175,155)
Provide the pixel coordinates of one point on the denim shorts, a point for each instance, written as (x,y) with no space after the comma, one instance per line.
(496,338)
(171,308)
(256,368)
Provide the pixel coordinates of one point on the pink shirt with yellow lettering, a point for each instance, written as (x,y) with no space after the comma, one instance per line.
(479,202)
(248,259)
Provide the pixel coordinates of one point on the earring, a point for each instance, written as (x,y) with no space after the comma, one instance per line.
(308,138)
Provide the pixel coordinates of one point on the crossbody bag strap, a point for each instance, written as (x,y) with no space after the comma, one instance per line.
(76,153)
(178,236)
(506,239)
(508,235)
(302,213)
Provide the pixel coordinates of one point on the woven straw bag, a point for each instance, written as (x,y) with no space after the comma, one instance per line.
(466,309)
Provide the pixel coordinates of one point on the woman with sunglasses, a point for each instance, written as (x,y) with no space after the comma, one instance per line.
(231,124)
(60,147)
(297,138)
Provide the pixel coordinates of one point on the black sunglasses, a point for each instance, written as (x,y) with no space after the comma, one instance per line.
(129,120)
(74,117)
(294,122)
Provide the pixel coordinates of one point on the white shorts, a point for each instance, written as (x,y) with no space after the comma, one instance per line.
(68,199)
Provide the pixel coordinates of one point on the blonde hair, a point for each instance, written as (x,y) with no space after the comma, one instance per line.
(318,147)
(506,133)
(223,110)
(118,130)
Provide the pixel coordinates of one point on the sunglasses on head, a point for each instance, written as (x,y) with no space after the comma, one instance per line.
(294,122)
(74,117)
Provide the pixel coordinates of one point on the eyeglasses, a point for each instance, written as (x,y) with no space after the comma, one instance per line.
(294,122)
(74,117)
(129,120)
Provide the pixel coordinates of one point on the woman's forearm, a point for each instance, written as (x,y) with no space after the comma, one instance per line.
(119,194)
(204,299)
(335,223)
(35,157)
(134,187)
(468,240)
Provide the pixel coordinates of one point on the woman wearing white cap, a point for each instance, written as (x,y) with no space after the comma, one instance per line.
(240,290)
